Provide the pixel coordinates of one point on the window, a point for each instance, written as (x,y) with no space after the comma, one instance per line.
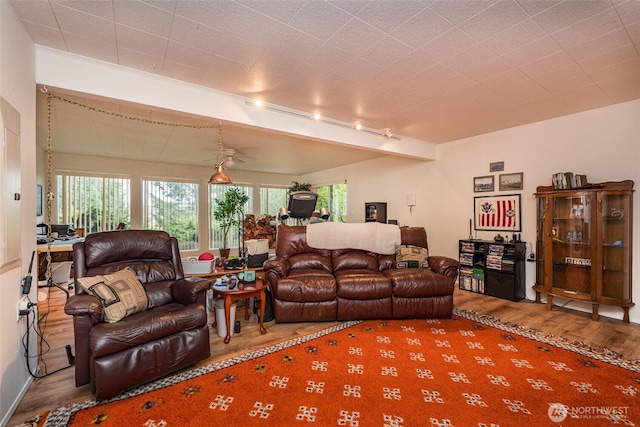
(93,203)
(333,197)
(216,191)
(272,199)
(172,207)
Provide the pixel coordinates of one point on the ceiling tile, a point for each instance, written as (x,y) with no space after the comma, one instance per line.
(599,45)
(590,28)
(629,11)
(46,36)
(140,60)
(294,44)
(388,15)
(423,28)
(355,36)
(143,17)
(547,64)
(216,14)
(195,34)
(493,19)
(387,51)
(319,19)
(140,41)
(515,37)
(99,9)
(282,11)
(532,52)
(254,27)
(459,11)
(187,55)
(568,77)
(516,86)
(569,12)
(534,7)
(83,24)
(608,59)
(39,12)
(104,50)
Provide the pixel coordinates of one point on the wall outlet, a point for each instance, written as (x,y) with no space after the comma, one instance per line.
(23,307)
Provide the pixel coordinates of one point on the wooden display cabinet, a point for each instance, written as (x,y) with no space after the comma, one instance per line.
(583,242)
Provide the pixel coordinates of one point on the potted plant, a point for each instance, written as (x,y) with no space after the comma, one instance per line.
(226,212)
(296,186)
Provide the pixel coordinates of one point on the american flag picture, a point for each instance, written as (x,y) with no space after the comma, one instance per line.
(497,213)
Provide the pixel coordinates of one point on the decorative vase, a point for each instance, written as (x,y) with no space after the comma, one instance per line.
(224,253)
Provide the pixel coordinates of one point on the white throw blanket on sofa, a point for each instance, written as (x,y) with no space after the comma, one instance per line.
(369,236)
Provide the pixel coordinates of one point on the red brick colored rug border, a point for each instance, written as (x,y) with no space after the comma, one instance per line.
(466,371)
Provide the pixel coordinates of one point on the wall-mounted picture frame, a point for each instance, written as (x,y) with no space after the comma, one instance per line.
(510,181)
(38,200)
(497,213)
(482,184)
(496,167)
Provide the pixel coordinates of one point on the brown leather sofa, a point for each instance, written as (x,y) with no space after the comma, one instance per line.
(310,284)
(170,334)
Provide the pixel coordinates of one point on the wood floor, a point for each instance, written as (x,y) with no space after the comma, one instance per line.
(59,388)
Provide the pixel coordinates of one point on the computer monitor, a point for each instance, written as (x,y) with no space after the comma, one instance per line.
(61,229)
(302,204)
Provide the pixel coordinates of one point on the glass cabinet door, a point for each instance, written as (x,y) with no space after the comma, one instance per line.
(540,239)
(572,253)
(616,252)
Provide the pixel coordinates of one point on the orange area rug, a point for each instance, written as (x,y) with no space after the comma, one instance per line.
(464,371)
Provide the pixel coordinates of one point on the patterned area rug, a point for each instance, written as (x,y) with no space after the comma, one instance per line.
(464,371)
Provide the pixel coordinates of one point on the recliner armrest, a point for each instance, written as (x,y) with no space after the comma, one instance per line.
(186,291)
(444,265)
(85,305)
(278,266)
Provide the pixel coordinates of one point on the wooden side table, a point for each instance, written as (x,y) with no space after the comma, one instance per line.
(245,291)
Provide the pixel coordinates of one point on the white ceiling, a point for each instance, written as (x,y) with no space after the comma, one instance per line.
(435,71)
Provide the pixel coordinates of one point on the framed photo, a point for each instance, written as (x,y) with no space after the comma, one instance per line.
(496,167)
(482,184)
(497,213)
(38,200)
(510,181)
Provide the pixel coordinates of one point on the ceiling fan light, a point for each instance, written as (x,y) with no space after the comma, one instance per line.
(220,177)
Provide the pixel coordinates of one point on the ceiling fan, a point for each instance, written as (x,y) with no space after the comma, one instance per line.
(232,157)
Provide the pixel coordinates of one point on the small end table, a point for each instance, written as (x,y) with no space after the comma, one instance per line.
(243,290)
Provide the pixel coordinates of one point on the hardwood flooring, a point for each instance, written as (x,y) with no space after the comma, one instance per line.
(59,388)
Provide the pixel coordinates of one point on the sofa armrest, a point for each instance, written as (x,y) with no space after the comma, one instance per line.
(85,305)
(276,268)
(188,290)
(444,265)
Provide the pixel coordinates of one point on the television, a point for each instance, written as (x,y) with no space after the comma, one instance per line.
(302,204)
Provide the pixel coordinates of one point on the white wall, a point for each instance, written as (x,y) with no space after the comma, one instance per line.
(17,83)
(604,144)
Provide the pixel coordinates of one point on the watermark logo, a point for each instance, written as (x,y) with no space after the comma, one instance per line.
(558,412)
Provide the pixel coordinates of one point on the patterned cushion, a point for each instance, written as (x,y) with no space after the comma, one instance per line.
(409,256)
(120,293)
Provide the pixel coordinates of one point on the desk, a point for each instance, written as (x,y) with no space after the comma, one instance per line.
(61,250)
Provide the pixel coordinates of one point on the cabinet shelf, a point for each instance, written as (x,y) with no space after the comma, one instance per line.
(577,259)
(497,270)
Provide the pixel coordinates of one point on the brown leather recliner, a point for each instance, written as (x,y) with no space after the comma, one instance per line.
(313,284)
(170,334)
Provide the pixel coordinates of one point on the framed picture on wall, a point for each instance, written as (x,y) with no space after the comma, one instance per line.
(497,213)
(38,200)
(510,181)
(496,167)
(482,184)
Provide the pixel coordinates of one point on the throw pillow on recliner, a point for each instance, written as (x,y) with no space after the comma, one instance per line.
(121,293)
(409,256)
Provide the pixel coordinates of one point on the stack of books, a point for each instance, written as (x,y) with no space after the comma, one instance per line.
(563,180)
(494,257)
